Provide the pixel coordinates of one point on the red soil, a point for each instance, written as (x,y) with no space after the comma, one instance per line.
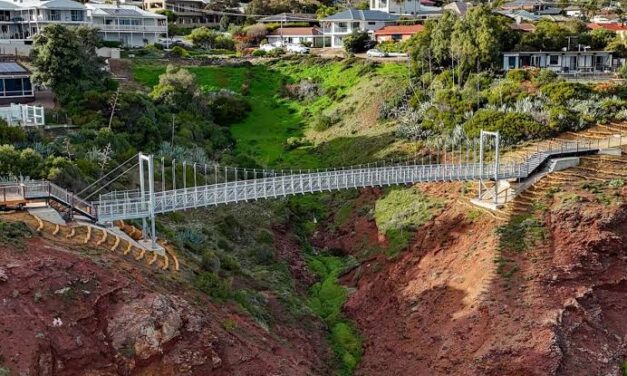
(119,318)
(440,308)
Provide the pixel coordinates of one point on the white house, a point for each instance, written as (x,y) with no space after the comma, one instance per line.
(20,20)
(128,24)
(309,36)
(406,7)
(560,61)
(341,24)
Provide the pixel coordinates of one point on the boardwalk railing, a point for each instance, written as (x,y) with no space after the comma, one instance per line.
(132,204)
(135,204)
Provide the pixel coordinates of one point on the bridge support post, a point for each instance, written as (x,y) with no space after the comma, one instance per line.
(148,196)
(497,141)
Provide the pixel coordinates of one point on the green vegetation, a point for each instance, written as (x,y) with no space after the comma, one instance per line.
(624,368)
(401,212)
(277,114)
(520,234)
(5,371)
(326,299)
(13,233)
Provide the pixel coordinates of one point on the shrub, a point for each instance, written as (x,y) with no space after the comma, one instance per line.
(326,121)
(544,77)
(276,52)
(211,284)
(179,51)
(259,53)
(560,92)
(358,41)
(210,262)
(517,75)
(513,126)
(228,262)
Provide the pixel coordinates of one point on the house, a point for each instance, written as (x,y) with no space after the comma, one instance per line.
(560,61)
(615,27)
(519,15)
(290,18)
(15,83)
(339,25)
(573,11)
(23,115)
(525,27)
(128,24)
(309,36)
(528,5)
(407,8)
(21,20)
(397,33)
(460,8)
(189,13)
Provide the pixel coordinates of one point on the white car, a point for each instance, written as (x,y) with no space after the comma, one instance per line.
(268,47)
(376,53)
(297,49)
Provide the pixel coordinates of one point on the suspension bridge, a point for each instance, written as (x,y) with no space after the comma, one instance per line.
(159,192)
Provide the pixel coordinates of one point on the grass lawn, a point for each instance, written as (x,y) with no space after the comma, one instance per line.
(262,135)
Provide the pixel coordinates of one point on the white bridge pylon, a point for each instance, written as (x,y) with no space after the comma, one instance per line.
(230,185)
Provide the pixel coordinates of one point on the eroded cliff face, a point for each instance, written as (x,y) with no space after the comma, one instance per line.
(64,313)
(460,302)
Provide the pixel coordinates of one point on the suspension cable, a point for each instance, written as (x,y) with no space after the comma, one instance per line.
(107,174)
(104,186)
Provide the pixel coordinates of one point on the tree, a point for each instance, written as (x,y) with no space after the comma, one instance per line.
(171,16)
(224,23)
(358,41)
(66,58)
(177,87)
(203,37)
(441,38)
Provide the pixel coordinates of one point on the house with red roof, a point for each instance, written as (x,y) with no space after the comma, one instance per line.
(397,33)
(615,27)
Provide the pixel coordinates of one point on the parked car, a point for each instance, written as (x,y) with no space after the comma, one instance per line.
(376,53)
(297,49)
(268,47)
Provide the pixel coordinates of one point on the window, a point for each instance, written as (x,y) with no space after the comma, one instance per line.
(77,15)
(371,23)
(355,25)
(511,62)
(554,59)
(397,37)
(54,15)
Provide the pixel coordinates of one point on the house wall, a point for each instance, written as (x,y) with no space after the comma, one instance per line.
(558,61)
(340,29)
(394,37)
(405,7)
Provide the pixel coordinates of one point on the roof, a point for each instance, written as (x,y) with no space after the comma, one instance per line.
(400,29)
(613,26)
(296,31)
(522,14)
(361,15)
(522,4)
(289,17)
(523,26)
(54,4)
(103,10)
(8,5)
(458,7)
(10,67)
(589,52)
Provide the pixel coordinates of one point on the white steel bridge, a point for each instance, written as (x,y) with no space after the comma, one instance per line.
(144,203)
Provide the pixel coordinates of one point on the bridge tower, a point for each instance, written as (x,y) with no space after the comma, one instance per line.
(147,193)
(482,186)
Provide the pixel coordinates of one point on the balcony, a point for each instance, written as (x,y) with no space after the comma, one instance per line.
(133,28)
